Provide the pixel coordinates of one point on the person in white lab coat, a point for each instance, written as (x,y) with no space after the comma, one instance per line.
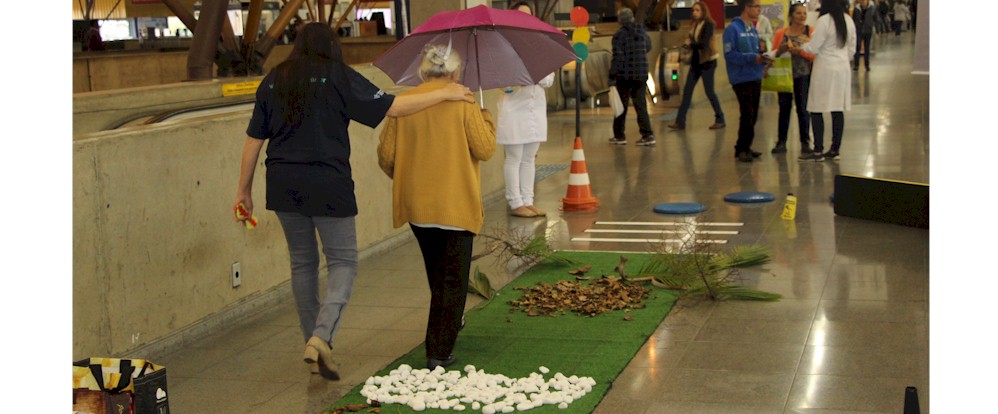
(523,126)
(765,29)
(832,43)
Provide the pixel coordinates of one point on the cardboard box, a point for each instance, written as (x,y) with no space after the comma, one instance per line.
(367,28)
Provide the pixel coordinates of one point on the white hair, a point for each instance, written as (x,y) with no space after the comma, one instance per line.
(438,61)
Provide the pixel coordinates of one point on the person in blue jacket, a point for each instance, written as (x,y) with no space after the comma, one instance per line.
(745,64)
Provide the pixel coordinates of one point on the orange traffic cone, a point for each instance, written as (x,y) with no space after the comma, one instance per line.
(579,196)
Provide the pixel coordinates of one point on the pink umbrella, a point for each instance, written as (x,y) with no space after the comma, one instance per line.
(501,48)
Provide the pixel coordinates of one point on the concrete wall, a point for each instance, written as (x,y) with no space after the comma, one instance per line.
(153,236)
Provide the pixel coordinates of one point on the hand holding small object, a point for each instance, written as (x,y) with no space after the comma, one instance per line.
(245,216)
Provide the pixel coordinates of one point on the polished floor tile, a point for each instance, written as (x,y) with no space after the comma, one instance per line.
(849,334)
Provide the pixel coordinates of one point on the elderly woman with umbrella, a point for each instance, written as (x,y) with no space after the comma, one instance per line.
(433,159)
(436,174)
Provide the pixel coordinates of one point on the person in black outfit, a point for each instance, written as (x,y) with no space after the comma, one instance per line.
(862,16)
(304,108)
(703,62)
(629,73)
(92,41)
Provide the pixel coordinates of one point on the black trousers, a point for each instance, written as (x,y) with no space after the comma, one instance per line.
(818,124)
(748,94)
(862,41)
(635,91)
(447,258)
(787,101)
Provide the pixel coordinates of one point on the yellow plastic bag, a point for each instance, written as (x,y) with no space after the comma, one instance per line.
(780,77)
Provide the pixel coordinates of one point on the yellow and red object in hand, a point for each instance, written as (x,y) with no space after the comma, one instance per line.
(241,213)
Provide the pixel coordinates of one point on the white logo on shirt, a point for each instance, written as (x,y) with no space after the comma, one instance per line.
(379,94)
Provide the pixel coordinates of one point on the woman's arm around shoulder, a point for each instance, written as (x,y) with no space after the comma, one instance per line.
(481,132)
(410,104)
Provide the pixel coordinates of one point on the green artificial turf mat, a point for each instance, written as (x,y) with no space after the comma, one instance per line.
(515,344)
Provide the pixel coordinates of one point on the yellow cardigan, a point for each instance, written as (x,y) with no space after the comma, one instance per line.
(433,158)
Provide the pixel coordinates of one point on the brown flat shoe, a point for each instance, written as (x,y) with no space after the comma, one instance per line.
(676,126)
(716,126)
(317,351)
(537,211)
(523,211)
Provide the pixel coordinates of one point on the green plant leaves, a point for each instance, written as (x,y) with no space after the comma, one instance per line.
(480,284)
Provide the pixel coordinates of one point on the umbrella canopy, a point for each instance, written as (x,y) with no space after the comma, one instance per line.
(500,48)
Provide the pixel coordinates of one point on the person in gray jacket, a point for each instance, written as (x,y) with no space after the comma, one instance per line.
(863,16)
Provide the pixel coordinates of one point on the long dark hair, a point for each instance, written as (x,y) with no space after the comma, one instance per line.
(522,3)
(837,10)
(706,13)
(315,62)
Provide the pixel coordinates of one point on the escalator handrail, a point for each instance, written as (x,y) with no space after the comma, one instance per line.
(163,116)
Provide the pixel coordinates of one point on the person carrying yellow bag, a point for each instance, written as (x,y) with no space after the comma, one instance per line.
(796,33)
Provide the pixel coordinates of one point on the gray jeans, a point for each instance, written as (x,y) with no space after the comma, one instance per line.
(339,244)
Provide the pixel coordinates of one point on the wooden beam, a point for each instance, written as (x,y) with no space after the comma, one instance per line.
(252,25)
(345,14)
(311,14)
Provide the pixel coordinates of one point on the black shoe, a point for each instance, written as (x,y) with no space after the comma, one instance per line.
(745,156)
(855,68)
(433,363)
(806,149)
(814,156)
(754,154)
(620,141)
(645,141)
(779,149)
(831,155)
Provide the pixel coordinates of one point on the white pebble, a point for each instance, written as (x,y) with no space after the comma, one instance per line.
(475,389)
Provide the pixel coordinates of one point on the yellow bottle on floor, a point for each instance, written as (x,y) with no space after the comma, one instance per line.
(790,207)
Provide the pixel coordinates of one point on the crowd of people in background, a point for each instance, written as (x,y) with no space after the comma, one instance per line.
(821,57)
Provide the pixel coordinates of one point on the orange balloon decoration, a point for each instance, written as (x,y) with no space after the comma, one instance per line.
(579,16)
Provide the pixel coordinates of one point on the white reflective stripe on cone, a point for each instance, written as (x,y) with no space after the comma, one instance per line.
(578,179)
(578,155)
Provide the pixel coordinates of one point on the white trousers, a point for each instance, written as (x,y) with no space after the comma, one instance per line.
(519,173)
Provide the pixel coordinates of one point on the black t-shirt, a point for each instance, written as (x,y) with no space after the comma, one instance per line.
(308,165)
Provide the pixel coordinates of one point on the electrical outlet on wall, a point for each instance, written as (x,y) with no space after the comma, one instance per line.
(237,275)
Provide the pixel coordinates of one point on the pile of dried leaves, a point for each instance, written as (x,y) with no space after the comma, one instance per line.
(605,294)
